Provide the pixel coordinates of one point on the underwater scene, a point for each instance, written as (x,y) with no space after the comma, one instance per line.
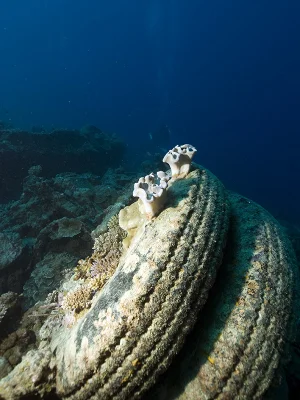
(149,200)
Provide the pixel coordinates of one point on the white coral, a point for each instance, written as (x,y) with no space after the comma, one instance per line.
(179,159)
(151,191)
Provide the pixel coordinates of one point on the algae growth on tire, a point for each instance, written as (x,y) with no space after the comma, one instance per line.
(143,314)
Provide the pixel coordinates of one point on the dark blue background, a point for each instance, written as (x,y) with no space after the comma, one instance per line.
(224,75)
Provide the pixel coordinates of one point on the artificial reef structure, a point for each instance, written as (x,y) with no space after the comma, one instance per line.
(191,293)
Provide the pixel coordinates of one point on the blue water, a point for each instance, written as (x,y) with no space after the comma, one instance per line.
(223,75)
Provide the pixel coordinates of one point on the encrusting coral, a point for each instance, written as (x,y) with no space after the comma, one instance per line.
(78,299)
(94,271)
(107,251)
(111,239)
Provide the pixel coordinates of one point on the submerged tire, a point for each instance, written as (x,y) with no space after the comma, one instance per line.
(241,338)
(141,318)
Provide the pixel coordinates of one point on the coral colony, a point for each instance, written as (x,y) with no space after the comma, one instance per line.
(151,189)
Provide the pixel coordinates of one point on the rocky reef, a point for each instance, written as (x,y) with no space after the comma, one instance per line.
(192,297)
(49,228)
(61,150)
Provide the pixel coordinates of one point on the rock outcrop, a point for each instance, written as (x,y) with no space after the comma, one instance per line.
(62,150)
